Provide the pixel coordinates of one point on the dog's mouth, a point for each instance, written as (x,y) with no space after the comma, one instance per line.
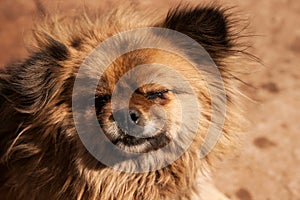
(128,142)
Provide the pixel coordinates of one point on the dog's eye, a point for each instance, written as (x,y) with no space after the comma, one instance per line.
(157,94)
(100,100)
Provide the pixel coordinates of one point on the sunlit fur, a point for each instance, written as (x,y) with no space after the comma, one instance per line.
(41,155)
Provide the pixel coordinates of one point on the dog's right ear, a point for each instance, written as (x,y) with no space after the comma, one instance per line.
(50,48)
(209,26)
(30,84)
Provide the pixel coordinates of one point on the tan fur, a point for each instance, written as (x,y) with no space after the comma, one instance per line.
(81,176)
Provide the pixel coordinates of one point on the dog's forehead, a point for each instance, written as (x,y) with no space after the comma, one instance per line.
(121,67)
(146,67)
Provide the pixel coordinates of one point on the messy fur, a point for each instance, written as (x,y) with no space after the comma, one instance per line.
(41,155)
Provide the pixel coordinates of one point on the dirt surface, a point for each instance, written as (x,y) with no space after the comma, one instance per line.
(268,164)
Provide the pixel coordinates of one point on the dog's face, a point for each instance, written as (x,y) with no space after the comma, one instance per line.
(139,126)
(138,103)
(142,127)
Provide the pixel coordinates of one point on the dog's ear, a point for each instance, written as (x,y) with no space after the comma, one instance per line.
(50,47)
(209,26)
(30,84)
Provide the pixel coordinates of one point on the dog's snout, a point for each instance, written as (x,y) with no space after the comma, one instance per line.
(124,116)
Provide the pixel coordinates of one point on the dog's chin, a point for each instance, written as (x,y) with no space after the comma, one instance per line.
(129,143)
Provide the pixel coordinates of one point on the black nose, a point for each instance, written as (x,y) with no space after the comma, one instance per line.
(135,115)
(129,121)
(124,116)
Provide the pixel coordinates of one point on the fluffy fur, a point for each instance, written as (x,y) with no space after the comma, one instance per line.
(41,156)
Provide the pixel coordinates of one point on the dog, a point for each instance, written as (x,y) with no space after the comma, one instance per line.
(42,153)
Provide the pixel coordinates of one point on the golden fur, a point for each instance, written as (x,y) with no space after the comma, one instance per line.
(41,154)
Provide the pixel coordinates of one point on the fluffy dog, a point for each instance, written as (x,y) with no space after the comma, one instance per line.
(41,153)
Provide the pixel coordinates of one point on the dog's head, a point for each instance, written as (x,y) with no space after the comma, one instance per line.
(146,114)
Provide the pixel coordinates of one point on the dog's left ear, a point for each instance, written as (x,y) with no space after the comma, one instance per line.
(209,26)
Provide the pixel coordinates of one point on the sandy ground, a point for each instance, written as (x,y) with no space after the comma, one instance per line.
(268,164)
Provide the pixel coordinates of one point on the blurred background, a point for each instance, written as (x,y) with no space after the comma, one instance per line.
(267,166)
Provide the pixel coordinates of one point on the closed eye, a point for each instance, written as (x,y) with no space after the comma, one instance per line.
(157,94)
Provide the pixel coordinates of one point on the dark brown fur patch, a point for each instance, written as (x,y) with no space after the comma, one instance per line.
(56,49)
